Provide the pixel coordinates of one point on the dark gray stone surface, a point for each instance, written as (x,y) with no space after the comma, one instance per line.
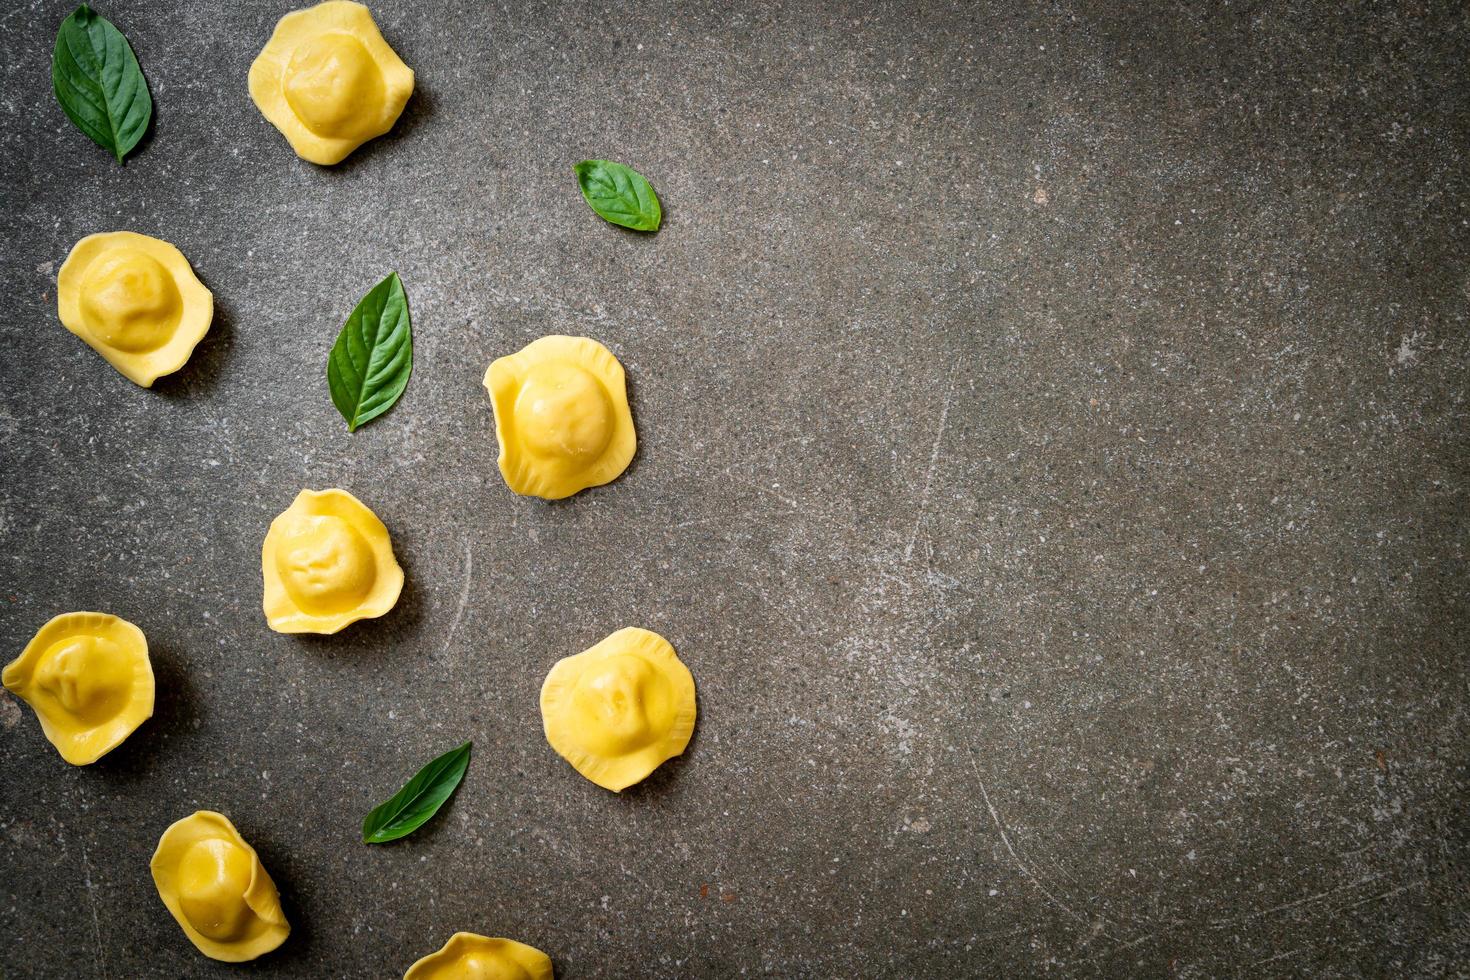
(1053,470)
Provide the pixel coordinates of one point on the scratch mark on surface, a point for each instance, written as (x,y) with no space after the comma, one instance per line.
(1285,906)
(1146,937)
(697,521)
(729,473)
(1006,840)
(1277,956)
(1227,922)
(464,596)
(1388,894)
(788,501)
(933,465)
(92,904)
(555,305)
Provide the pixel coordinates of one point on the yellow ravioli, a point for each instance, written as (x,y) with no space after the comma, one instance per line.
(134,300)
(327,562)
(215,886)
(328,81)
(470,957)
(88,678)
(617,711)
(561,417)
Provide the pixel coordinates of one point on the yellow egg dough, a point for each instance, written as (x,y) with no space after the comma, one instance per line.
(561,417)
(470,957)
(327,562)
(619,709)
(134,300)
(215,886)
(328,81)
(88,678)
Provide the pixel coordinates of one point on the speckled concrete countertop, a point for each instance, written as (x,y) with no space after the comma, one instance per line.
(1053,468)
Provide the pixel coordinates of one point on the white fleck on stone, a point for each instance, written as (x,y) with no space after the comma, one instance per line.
(1407,355)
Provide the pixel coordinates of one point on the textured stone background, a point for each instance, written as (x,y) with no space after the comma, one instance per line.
(1053,469)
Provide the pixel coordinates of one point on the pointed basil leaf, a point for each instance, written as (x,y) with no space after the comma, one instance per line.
(98,82)
(419,799)
(373,356)
(620,194)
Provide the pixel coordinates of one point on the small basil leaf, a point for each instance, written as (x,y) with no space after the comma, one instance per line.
(373,356)
(419,799)
(620,194)
(99,84)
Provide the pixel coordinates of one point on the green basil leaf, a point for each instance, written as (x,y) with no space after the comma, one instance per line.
(620,194)
(99,84)
(373,356)
(419,799)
